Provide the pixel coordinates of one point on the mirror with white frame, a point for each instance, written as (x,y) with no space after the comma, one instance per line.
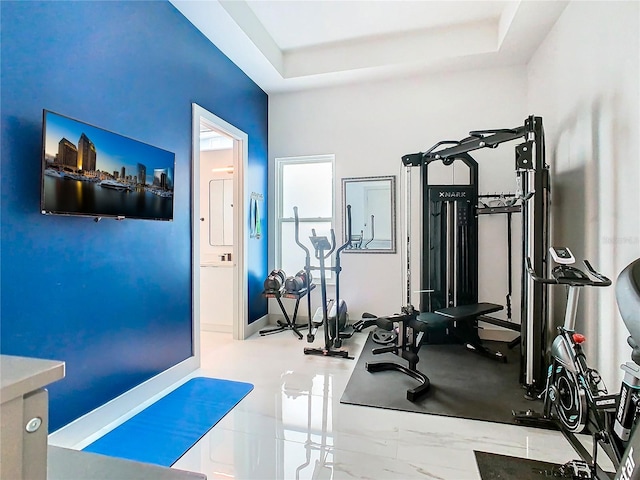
(373,214)
(221,212)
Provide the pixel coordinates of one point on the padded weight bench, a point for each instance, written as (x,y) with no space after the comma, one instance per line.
(463,317)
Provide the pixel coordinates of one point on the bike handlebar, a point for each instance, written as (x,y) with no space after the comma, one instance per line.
(566,275)
(604,281)
(536,277)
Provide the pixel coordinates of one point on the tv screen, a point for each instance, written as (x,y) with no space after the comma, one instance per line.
(89,171)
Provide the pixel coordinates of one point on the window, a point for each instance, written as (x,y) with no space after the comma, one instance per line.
(306,183)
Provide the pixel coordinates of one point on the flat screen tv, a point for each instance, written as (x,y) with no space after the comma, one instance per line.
(92,172)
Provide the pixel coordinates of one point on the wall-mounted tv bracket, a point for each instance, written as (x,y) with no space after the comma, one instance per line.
(532,175)
(119,217)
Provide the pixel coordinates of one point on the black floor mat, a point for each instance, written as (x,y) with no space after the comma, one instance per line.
(501,467)
(463,384)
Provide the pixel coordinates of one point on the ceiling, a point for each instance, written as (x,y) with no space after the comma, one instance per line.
(286,45)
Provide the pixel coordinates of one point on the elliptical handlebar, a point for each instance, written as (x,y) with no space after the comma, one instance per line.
(297,231)
(346,244)
(373,232)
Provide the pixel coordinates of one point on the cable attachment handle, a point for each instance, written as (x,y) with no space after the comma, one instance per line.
(519,192)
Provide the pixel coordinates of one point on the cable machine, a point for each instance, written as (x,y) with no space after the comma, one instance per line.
(449,257)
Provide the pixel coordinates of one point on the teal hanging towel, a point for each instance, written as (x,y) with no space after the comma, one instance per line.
(254,216)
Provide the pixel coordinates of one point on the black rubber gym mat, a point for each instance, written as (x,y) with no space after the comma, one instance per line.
(463,384)
(501,467)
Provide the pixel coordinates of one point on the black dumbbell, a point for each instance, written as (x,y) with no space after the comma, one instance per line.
(275,281)
(298,282)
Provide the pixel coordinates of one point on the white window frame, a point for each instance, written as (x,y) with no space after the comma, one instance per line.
(287,217)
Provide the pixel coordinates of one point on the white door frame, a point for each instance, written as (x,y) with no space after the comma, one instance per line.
(239,253)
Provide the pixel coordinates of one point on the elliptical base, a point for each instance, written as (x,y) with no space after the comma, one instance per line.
(282,326)
(326,352)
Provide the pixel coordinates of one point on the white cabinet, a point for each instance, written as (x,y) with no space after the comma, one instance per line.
(216,298)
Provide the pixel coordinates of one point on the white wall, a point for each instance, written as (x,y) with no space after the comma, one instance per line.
(370,126)
(584,81)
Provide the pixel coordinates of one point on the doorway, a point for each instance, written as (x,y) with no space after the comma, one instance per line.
(220,153)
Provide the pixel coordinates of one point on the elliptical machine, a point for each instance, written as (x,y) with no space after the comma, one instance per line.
(576,398)
(334,319)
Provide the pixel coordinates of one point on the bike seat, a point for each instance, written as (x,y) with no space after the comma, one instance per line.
(628,298)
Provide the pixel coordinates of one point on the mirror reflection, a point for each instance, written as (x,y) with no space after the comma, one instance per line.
(221,212)
(373,216)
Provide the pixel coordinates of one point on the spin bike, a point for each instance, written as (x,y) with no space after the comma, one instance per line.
(576,398)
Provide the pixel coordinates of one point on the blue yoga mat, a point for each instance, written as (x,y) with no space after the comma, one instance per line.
(164,431)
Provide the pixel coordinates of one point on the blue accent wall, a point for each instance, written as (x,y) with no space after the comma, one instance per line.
(112,298)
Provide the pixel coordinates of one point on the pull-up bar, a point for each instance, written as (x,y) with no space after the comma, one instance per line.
(476,140)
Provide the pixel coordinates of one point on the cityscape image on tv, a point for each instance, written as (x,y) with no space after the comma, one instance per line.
(91,171)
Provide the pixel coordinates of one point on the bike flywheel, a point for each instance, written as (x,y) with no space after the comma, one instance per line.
(569,399)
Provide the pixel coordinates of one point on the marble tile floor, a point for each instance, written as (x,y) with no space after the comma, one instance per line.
(293,426)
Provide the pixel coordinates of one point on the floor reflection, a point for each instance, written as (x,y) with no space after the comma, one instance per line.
(293,426)
(298,403)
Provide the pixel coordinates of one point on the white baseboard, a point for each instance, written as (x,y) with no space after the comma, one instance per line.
(91,426)
(214,327)
(274,317)
(256,326)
